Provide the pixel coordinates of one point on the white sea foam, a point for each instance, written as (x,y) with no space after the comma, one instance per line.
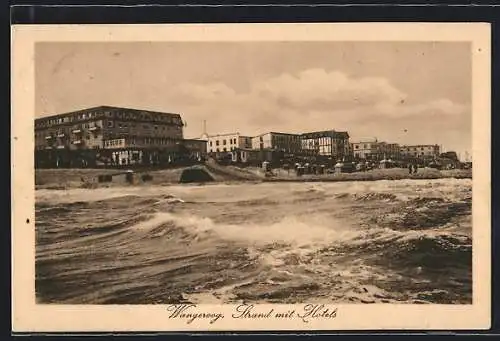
(291,230)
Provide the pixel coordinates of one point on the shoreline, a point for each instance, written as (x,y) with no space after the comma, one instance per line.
(60,179)
(365,179)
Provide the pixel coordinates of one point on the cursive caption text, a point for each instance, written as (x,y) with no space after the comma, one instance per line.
(305,314)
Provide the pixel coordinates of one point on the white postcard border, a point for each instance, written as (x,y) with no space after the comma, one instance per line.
(28,316)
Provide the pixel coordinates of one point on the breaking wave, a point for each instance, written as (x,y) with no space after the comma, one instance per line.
(400,241)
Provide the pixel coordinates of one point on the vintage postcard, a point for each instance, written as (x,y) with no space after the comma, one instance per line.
(239,177)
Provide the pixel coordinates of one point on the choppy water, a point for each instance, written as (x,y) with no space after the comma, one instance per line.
(383,241)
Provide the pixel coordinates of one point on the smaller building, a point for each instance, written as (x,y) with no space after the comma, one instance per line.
(326,143)
(390,150)
(282,142)
(372,149)
(246,156)
(367,149)
(420,151)
(450,155)
(196,149)
(223,143)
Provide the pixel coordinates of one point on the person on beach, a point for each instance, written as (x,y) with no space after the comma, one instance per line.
(410,168)
(415,168)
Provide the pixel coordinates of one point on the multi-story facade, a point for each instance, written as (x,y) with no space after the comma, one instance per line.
(246,156)
(372,149)
(282,142)
(197,148)
(326,143)
(420,151)
(115,135)
(227,142)
(390,150)
(366,149)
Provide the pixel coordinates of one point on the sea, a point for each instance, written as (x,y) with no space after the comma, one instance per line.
(388,241)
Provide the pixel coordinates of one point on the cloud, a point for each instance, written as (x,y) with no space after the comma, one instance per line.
(438,107)
(309,100)
(309,89)
(318,89)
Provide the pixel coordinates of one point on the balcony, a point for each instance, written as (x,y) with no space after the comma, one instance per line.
(48,137)
(61,147)
(78,142)
(94,128)
(61,135)
(76,131)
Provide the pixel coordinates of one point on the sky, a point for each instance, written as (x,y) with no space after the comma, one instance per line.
(398,92)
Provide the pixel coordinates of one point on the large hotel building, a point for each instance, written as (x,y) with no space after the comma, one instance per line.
(112,136)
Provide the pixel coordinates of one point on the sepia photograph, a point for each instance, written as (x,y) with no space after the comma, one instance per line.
(255,172)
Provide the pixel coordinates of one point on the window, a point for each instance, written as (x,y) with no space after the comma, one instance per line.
(422,148)
(224,142)
(210,143)
(224,149)
(110,124)
(357,147)
(217,150)
(156,127)
(217,143)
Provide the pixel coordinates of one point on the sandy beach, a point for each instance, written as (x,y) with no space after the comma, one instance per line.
(87,178)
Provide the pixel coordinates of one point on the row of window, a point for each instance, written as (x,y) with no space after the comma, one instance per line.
(114,143)
(62,120)
(65,137)
(381,146)
(224,149)
(67,119)
(145,116)
(67,130)
(369,146)
(141,141)
(126,125)
(110,124)
(415,149)
(410,153)
(282,138)
(224,142)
